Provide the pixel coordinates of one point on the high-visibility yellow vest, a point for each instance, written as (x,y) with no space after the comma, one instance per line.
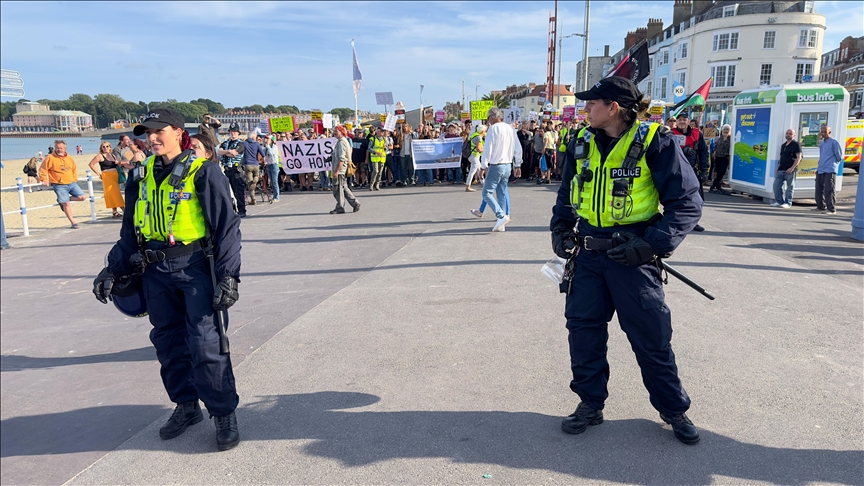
(162,209)
(596,203)
(378,153)
(563,146)
(475,148)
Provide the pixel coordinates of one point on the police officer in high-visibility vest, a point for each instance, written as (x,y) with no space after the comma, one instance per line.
(231,158)
(377,154)
(608,223)
(181,234)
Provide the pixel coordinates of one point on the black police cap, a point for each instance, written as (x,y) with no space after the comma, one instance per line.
(613,88)
(160,118)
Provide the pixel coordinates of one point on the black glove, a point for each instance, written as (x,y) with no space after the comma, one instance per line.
(563,242)
(225,294)
(631,251)
(102,285)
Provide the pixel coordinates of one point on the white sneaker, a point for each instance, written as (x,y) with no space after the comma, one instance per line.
(503,229)
(477,213)
(500,222)
(775,204)
(785,206)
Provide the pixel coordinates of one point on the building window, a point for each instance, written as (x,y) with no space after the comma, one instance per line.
(726,41)
(807,38)
(861,77)
(765,73)
(681,77)
(808,7)
(650,87)
(666,57)
(684,47)
(564,99)
(769,40)
(662,88)
(803,69)
(724,75)
(532,101)
(729,11)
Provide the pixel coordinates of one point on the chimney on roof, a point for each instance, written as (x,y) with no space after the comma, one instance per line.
(606,50)
(655,27)
(682,11)
(532,86)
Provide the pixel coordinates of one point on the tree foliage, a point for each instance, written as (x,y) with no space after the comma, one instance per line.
(344,113)
(498,99)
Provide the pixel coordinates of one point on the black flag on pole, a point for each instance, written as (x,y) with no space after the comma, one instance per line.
(634,66)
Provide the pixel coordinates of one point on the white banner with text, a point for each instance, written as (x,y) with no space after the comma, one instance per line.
(437,154)
(302,156)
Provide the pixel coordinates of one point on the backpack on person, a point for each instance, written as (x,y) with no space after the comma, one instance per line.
(30,167)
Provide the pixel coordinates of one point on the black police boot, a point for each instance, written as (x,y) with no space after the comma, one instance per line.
(683,428)
(227,436)
(698,228)
(185,414)
(578,421)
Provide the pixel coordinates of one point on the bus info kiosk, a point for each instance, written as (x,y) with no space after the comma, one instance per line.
(760,119)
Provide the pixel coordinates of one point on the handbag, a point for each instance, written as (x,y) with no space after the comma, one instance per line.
(543,166)
(351,169)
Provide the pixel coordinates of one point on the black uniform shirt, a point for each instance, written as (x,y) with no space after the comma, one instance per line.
(214,195)
(675,182)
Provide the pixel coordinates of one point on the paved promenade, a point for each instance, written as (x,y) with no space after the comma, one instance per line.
(407,344)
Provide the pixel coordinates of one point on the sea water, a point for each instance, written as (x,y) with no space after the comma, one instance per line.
(12,148)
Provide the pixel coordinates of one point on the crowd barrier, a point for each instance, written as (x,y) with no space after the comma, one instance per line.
(23,210)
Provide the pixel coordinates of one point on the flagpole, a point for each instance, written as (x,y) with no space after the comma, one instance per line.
(584,86)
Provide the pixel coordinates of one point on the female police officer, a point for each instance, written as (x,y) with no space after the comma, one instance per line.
(617,173)
(178,208)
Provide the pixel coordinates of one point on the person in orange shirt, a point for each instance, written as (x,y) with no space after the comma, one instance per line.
(59,172)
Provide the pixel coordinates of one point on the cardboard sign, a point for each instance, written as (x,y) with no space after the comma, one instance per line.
(556,115)
(349,126)
(480,109)
(384,98)
(383,118)
(532,116)
(283,124)
(541,98)
(400,116)
(428,114)
(317,115)
(305,156)
(656,110)
(512,115)
(327,120)
(569,113)
(465,115)
(437,154)
(439,116)
(390,123)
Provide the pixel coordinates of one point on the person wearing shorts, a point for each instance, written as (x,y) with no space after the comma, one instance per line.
(59,172)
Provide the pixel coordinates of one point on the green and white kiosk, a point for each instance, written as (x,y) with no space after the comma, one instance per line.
(760,119)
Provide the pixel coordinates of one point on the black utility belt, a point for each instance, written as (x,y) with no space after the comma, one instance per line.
(156,256)
(595,244)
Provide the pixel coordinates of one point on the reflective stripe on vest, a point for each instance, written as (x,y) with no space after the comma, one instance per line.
(157,205)
(475,148)
(563,135)
(378,153)
(599,207)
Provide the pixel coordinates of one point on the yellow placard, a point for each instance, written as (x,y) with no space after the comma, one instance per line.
(282,124)
(656,110)
(465,115)
(480,109)
(349,126)
(383,119)
(317,115)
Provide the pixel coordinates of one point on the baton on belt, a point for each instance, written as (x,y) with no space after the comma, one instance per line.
(680,276)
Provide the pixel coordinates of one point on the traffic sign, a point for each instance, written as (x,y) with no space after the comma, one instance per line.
(11,84)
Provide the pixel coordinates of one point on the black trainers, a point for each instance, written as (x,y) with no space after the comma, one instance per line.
(357,207)
(185,414)
(578,421)
(698,228)
(683,428)
(227,436)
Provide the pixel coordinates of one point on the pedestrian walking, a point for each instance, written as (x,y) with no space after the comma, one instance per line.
(105,166)
(476,141)
(501,148)
(613,229)
(59,172)
(341,156)
(271,166)
(178,212)
(252,164)
(830,157)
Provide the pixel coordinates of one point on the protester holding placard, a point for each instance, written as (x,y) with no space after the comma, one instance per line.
(341,155)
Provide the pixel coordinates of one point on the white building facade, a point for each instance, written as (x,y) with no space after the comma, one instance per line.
(741,45)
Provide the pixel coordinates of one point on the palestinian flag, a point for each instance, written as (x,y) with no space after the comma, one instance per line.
(697,98)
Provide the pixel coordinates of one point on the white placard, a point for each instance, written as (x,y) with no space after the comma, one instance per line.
(305,156)
(532,116)
(384,98)
(512,115)
(327,120)
(437,154)
(390,122)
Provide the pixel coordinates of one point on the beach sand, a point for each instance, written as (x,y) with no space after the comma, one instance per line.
(51,217)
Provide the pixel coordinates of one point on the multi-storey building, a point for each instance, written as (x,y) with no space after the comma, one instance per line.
(845,65)
(528,98)
(32,117)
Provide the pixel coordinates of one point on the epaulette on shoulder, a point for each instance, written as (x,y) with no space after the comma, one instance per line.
(663,129)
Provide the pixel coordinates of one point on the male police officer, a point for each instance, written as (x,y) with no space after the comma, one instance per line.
(617,173)
(231,157)
(178,216)
(693,145)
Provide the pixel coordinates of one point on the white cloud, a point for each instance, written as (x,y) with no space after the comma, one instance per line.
(121,47)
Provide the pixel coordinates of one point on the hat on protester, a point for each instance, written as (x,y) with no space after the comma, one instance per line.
(613,88)
(160,118)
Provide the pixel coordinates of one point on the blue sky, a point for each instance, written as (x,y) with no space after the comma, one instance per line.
(299,53)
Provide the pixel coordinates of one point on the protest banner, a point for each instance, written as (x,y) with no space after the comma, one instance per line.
(532,116)
(384,98)
(263,126)
(327,120)
(383,118)
(511,115)
(480,109)
(547,115)
(282,124)
(400,116)
(541,98)
(302,156)
(556,115)
(349,126)
(465,115)
(316,115)
(437,154)
(439,116)
(428,114)
(568,113)
(390,122)
(656,110)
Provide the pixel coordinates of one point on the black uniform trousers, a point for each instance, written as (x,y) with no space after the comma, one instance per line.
(237,180)
(179,294)
(600,288)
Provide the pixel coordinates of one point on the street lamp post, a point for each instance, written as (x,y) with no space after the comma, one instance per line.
(560,57)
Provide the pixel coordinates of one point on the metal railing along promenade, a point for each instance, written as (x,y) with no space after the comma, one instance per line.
(23,206)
